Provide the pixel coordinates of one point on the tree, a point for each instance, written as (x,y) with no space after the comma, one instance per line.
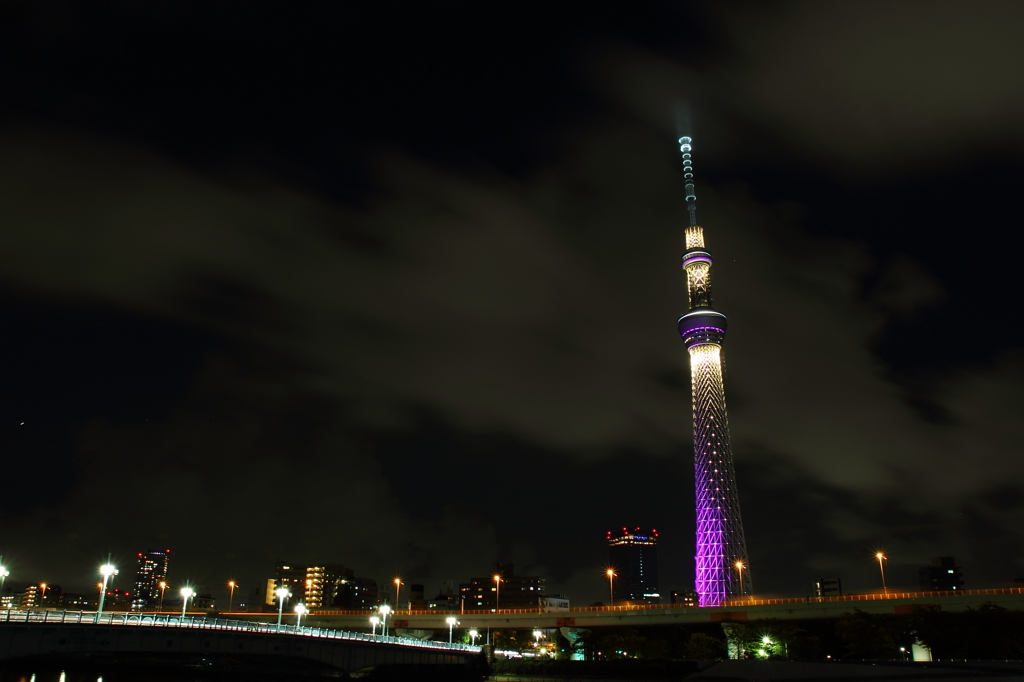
(702,647)
(867,635)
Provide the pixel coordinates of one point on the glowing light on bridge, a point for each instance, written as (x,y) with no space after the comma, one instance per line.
(186,594)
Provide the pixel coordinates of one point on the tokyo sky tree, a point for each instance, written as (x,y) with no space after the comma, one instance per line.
(721,561)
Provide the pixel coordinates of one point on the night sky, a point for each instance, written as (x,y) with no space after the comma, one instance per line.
(396,286)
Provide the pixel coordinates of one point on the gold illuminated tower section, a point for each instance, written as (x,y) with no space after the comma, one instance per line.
(721,559)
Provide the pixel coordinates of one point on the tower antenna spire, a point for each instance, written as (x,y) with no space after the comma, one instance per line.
(685,148)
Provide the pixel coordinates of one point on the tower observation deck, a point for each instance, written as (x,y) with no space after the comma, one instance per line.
(721,559)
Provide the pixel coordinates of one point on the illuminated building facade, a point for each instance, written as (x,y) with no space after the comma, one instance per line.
(633,556)
(828,587)
(30,597)
(357,594)
(720,541)
(293,578)
(684,597)
(323,584)
(326,586)
(41,595)
(941,575)
(151,571)
(511,592)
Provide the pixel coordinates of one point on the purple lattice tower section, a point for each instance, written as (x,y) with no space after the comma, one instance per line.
(722,571)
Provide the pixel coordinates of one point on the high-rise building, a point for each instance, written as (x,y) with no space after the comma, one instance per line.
(508,591)
(828,587)
(357,594)
(720,541)
(291,577)
(323,584)
(30,597)
(326,586)
(633,556)
(941,575)
(151,571)
(447,599)
(684,597)
(40,595)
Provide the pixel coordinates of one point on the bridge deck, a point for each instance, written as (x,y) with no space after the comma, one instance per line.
(120,636)
(164,620)
(748,608)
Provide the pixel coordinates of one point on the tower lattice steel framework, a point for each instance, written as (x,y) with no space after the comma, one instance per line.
(721,560)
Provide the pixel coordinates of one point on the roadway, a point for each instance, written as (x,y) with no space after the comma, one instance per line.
(749,608)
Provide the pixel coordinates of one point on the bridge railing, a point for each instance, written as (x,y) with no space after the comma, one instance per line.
(206,623)
(732,603)
(874,596)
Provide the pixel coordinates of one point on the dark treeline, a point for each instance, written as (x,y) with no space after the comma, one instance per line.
(986,633)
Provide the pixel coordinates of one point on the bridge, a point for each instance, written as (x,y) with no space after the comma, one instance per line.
(70,634)
(747,608)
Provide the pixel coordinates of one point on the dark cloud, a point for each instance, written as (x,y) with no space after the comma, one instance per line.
(420,340)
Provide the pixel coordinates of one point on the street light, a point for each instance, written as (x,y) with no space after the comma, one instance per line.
(299,610)
(451,620)
(611,594)
(42,595)
(497,592)
(473,634)
(282,593)
(231,600)
(398,590)
(106,570)
(740,567)
(374,622)
(3,577)
(881,557)
(537,634)
(163,586)
(186,594)
(384,611)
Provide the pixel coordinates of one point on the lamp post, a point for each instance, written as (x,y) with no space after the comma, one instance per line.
(881,567)
(106,570)
(163,586)
(537,634)
(281,593)
(186,594)
(3,577)
(384,611)
(42,593)
(300,609)
(231,600)
(497,592)
(398,590)
(611,593)
(374,622)
(740,567)
(473,634)
(451,620)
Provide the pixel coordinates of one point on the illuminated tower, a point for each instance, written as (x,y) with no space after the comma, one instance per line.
(720,542)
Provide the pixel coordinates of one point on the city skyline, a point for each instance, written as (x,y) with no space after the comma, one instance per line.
(624,575)
(395,289)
